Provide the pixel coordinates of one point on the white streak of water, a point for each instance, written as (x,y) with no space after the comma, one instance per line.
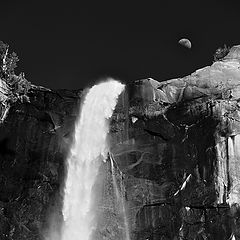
(120,196)
(89,148)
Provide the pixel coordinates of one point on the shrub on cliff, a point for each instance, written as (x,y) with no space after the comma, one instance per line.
(8,61)
(221,52)
(17,83)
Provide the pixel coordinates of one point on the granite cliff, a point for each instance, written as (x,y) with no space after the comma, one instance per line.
(175,145)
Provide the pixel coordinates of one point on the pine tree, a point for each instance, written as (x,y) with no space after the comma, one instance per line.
(17,83)
(8,62)
(221,52)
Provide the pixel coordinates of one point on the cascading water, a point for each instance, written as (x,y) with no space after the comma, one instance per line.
(89,148)
(119,192)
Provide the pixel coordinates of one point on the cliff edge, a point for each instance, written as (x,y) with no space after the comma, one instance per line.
(174,143)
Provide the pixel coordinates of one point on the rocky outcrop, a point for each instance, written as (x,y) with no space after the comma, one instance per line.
(177,144)
(174,147)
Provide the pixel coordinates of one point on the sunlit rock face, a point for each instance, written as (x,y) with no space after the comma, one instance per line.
(175,146)
(178,146)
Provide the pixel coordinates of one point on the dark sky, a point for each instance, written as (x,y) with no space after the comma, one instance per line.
(72,45)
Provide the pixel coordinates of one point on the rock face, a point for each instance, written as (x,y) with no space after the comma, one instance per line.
(175,147)
(34,141)
(178,146)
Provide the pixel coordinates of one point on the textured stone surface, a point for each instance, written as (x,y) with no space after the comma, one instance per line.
(34,141)
(175,147)
(177,144)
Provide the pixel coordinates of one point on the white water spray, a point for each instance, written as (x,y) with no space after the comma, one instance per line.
(89,148)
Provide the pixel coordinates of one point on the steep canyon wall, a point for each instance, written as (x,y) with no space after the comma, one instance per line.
(175,145)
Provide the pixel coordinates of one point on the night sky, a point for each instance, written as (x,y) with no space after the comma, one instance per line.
(73,45)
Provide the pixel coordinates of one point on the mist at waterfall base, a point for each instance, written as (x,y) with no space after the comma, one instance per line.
(88,151)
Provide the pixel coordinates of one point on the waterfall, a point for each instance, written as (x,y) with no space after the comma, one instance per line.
(89,149)
(119,192)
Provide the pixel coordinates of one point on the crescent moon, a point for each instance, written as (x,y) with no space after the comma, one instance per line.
(185,43)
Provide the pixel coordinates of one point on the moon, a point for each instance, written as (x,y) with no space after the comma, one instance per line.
(185,43)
